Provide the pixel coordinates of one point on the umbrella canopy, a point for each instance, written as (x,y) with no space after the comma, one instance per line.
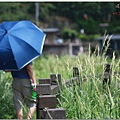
(20,43)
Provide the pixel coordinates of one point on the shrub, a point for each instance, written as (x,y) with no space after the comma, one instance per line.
(88,37)
(68,33)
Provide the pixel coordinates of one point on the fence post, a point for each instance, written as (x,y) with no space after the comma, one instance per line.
(60,80)
(59,86)
(75,72)
(46,99)
(37,107)
(53,78)
(107,76)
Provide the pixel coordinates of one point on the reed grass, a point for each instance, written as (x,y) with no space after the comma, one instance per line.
(85,101)
(89,100)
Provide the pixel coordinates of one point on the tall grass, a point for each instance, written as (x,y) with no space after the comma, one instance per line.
(6,104)
(89,100)
(85,101)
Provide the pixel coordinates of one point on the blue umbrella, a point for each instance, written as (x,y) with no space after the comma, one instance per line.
(20,43)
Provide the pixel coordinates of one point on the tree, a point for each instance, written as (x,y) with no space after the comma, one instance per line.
(14,11)
(87,15)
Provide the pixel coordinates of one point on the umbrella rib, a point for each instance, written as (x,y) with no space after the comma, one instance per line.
(26,43)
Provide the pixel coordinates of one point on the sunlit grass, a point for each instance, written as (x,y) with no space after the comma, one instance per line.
(85,101)
(89,100)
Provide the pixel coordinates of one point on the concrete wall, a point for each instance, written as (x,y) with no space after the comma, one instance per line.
(64,48)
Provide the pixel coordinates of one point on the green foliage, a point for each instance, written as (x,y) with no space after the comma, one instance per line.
(97,12)
(90,26)
(46,12)
(88,100)
(6,104)
(88,37)
(15,11)
(116,29)
(68,33)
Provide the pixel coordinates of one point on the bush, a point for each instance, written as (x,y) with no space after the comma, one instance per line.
(88,37)
(68,33)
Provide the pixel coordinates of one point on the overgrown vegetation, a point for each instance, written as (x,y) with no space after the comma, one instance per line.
(89,100)
(6,104)
(86,101)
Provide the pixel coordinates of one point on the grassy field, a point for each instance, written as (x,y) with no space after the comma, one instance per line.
(87,101)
